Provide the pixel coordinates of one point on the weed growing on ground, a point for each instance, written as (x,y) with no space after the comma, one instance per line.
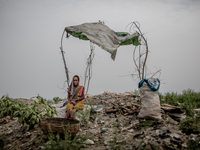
(146,123)
(117,141)
(190,100)
(194,145)
(136,92)
(191,124)
(57,99)
(188,96)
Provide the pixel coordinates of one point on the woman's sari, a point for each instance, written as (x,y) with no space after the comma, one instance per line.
(74,93)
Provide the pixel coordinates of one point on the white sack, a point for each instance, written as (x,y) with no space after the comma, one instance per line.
(150,108)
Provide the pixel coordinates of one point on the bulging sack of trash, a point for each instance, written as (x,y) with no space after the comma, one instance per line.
(150,108)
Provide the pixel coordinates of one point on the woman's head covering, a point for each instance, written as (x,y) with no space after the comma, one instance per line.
(71,88)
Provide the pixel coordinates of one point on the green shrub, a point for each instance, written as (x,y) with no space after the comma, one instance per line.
(136,92)
(171,98)
(161,96)
(57,99)
(194,145)
(31,114)
(191,124)
(8,106)
(190,100)
(188,96)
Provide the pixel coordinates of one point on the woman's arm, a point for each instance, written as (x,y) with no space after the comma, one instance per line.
(81,98)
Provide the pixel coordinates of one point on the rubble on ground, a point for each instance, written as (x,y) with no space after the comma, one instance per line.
(113,126)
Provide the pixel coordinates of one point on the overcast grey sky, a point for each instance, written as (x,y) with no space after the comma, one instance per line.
(30,33)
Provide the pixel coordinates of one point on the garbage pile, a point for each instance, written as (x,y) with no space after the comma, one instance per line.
(118,127)
(112,124)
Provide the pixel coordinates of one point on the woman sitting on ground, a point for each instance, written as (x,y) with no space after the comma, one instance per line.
(75,97)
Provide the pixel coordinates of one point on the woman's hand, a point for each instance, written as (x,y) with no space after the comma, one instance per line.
(73,101)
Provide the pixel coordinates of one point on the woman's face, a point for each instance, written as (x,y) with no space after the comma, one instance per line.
(75,81)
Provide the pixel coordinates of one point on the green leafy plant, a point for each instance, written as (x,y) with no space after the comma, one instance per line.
(191,124)
(8,106)
(188,96)
(171,98)
(194,145)
(32,114)
(57,99)
(189,100)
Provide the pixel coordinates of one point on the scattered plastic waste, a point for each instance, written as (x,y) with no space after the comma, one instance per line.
(104,131)
(98,108)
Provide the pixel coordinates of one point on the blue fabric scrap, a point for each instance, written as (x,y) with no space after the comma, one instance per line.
(153,83)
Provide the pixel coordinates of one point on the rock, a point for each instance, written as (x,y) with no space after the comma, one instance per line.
(41,147)
(176,142)
(136,144)
(167,130)
(5,120)
(148,147)
(105,143)
(156,133)
(48,143)
(177,116)
(172,109)
(175,135)
(100,121)
(137,135)
(162,133)
(169,145)
(8,146)
(167,140)
(131,126)
(94,131)
(25,128)
(25,145)
(192,137)
(27,134)
(88,142)
(172,121)
(119,141)
(198,109)
(36,126)
(96,139)
(104,131)
(33,138)
(131,130)
(9,132)
(184,145)
(154,145)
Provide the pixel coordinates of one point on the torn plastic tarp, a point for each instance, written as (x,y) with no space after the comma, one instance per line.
(103,36)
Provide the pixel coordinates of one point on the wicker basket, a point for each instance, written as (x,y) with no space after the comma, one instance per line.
(56,125)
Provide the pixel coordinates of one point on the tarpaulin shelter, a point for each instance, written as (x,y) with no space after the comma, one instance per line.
(102,35)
